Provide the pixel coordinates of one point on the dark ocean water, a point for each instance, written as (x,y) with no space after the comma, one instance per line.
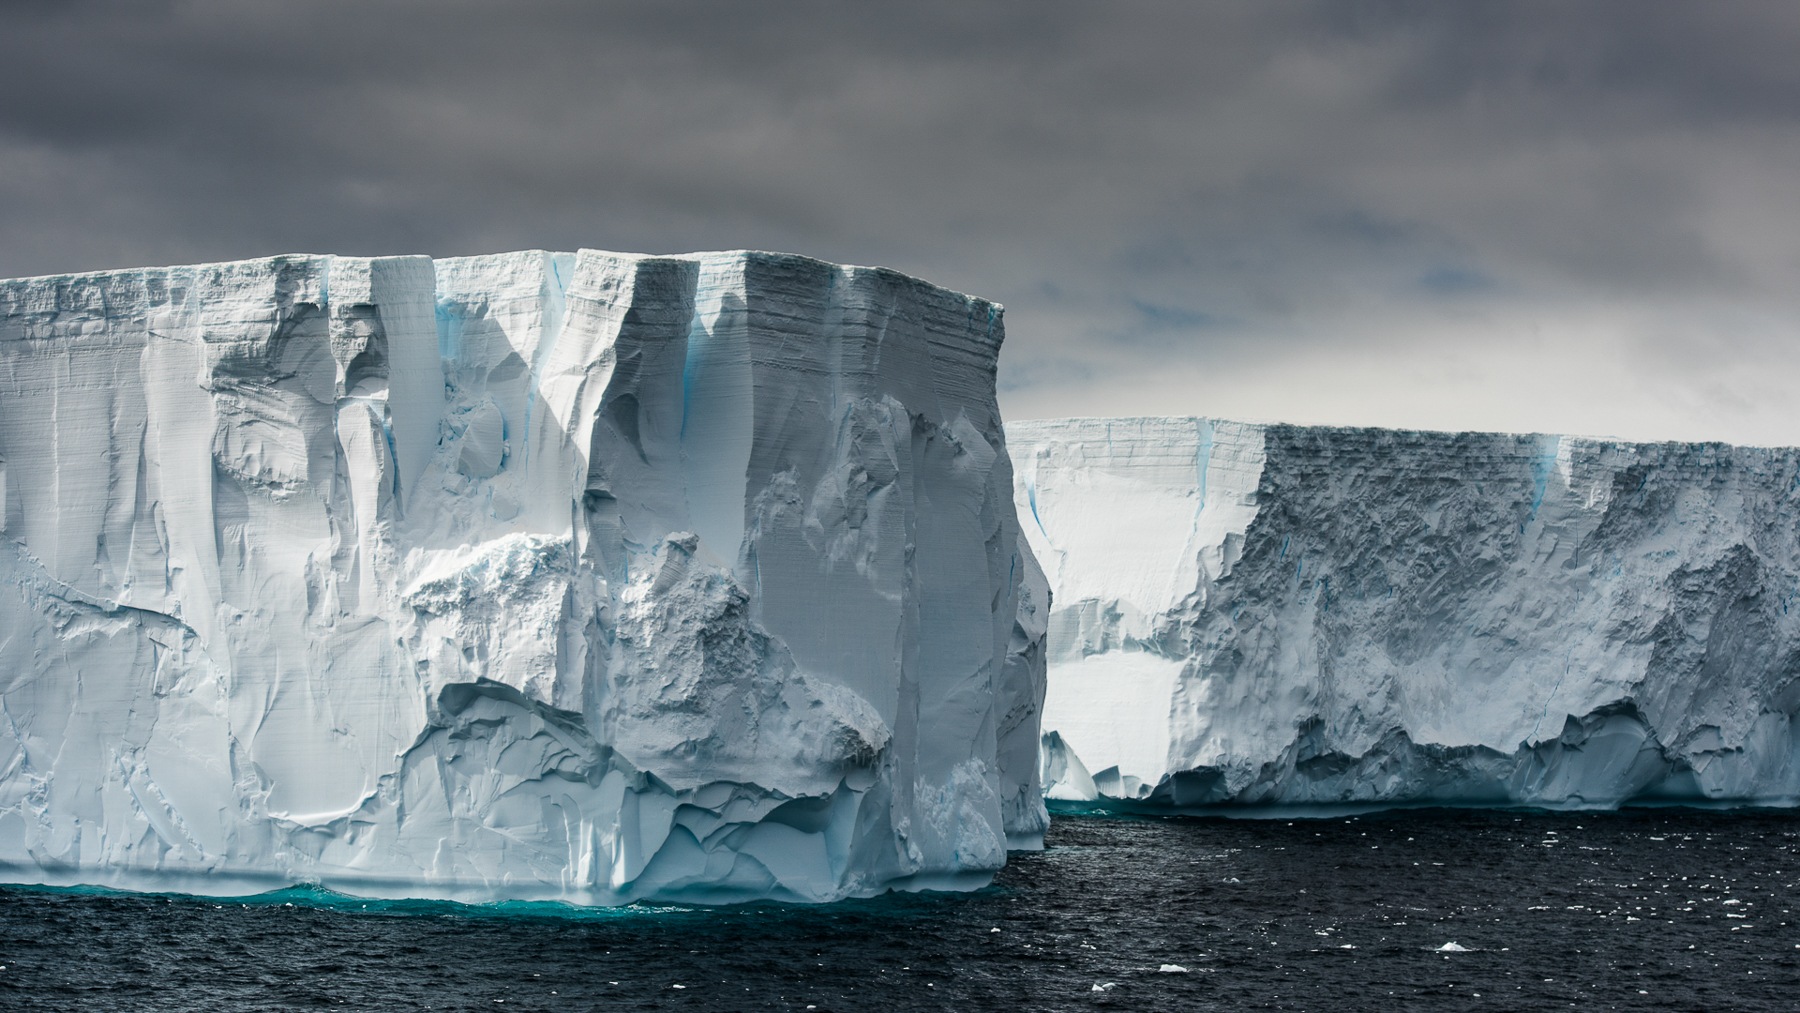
(1649,909)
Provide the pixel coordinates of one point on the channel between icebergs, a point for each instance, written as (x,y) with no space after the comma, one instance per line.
(592,577)
(1284,616)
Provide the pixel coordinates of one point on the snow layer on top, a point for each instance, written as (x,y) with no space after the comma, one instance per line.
(1283,615)
(583,576)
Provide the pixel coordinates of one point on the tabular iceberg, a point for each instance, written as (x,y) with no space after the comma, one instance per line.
(1252,615)
(591,577)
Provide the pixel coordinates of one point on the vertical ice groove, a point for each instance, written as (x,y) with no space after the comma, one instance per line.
(1203,448)
(554,310)
(1543,465)
(586,576)
(1031,498)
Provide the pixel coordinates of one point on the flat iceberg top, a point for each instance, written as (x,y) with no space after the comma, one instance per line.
(489,264)
(1285,615)
(586,576)
(1157,428)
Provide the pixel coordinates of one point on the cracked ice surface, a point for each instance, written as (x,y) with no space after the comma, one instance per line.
(1294,616)
(585,576)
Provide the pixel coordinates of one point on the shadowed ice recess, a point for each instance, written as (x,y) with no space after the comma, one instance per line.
(540,576)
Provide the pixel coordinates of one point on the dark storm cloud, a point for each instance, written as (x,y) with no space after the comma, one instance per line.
(1527,215)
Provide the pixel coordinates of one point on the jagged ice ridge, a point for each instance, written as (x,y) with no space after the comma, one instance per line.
(591,577)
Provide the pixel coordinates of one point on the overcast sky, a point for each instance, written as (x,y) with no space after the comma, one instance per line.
(1555,216)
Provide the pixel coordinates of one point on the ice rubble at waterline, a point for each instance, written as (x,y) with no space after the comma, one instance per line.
(589,577)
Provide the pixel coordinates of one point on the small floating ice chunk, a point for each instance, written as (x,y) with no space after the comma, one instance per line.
(1104,986)
(1172,969)
(1454,947)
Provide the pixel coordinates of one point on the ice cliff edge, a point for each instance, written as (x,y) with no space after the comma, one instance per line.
(1251,615)
(590,576)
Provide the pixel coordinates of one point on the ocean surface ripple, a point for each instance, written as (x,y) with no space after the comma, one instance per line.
(1427,909)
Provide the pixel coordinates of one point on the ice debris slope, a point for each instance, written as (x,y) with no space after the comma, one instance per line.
(1280,615)
(585,576)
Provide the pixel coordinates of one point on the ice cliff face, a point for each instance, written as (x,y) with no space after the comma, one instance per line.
(581,576)
(1278,615)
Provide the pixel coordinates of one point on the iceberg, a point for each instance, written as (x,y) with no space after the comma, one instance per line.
(1271,616)
(582,577)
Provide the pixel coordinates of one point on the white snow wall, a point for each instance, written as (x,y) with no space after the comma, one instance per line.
(590,577)
(1285,616)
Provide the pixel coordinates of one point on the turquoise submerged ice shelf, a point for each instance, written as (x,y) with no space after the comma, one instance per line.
(585,577)
(1250,615)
